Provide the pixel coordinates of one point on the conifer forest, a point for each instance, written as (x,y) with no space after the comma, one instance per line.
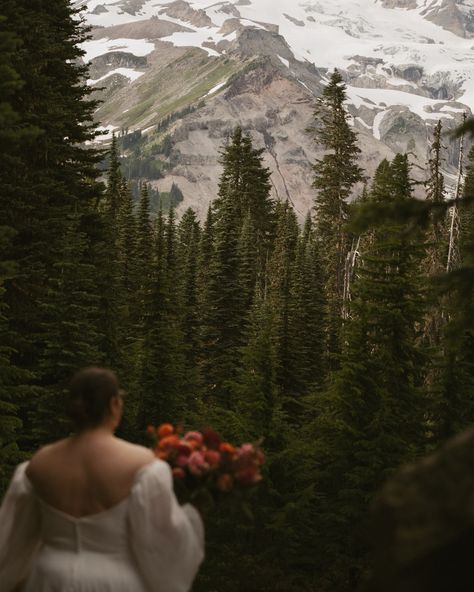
(345,344)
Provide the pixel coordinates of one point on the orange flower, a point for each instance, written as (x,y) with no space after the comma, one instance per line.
(150,429)
(165,429)
(169,442)
(227,448)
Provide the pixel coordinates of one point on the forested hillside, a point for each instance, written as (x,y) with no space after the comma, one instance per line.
(331,341)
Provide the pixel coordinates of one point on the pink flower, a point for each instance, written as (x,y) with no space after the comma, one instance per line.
(182,460)
(194,436)
(246,449)
(213,458)
(197,464)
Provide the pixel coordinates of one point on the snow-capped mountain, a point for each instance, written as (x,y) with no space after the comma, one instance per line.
(192,69)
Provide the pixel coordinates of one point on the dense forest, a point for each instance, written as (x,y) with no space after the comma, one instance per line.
(343,343)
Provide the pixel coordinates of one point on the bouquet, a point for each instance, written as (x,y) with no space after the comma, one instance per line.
(203,464)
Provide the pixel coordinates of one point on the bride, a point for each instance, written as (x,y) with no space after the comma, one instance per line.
(93,513)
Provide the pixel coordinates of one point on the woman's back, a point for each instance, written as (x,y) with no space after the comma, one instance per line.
(93,513)
(88,473)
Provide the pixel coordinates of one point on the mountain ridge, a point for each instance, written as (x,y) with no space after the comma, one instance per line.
(407,64)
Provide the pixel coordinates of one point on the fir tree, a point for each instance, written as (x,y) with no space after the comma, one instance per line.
(456,400)
(144,252)
(370,420)
(243,193)
(162,364)
(51,176)
(279,294)
(335,175)
(189,232)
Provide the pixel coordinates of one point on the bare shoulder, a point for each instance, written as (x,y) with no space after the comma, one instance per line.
(43,457)
(136,454)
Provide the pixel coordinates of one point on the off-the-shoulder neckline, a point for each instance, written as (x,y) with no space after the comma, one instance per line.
(136,478)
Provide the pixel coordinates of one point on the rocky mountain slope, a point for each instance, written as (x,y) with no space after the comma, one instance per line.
(179,75)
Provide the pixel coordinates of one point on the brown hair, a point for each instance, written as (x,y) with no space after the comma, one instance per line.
(90,393)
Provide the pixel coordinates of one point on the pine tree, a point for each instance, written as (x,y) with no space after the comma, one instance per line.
(245,181)
(162,364)
(456,400)
(50,175)
(144,253)
(243,193)
(335,175)
(279,294)
(307,320)
(72,340)
(107,261)
(189,232)
(12,378)
(370,419)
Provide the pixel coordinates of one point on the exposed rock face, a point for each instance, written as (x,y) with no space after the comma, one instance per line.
(99,9)
(200,69)
(276,110)
(179,9)
(153,28)
(259,42)
(116,59)
(132,6)
(404,131)
(448,16)
(399,3)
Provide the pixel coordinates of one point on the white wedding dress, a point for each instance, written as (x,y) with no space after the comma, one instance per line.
(146,543)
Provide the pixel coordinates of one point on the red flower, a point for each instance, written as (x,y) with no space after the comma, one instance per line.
(211,439)
(184,449)
(182,460)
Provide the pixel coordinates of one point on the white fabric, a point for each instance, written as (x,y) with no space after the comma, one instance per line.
(146,543)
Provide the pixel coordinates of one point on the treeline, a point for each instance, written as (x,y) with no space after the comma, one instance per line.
(331,343)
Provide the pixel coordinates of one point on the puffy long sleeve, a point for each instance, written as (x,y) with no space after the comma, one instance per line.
(167,539)
(20,529)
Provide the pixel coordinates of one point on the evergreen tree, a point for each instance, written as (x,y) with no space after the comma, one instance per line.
(46,177)
(245,181)
(12,378)
(308,321)
(335,175)
(279,294)
(243,194)
(456,399)
(144,253)
(162,364)
(370,419)
(189,232)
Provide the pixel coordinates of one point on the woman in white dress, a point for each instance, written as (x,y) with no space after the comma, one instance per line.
(93,513)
